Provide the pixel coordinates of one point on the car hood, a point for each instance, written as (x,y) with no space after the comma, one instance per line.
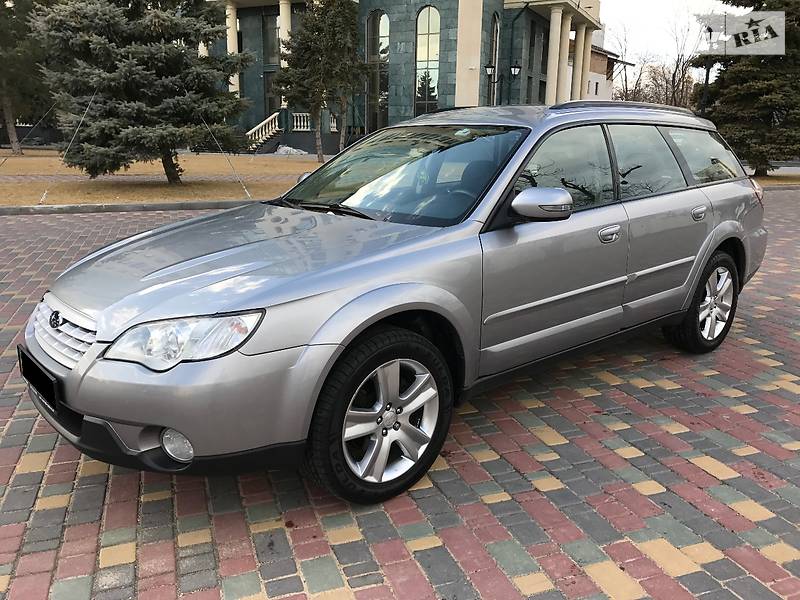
(224,262)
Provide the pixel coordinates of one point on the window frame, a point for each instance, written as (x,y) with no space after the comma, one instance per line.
(501,216)
(427,35)
(270,12)
(695,184)
(376,67)
(687,184)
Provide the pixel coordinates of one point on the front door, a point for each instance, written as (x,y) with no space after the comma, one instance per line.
(272,101)
(549,286)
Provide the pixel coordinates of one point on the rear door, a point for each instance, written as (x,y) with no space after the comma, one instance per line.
(551,286)
(669,221)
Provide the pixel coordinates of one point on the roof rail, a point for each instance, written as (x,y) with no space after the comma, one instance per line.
(446,109)
(620,104)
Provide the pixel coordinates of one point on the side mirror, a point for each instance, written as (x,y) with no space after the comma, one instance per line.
(543,204)
(303,177)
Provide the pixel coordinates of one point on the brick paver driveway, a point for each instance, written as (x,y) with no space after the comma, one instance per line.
(630,470)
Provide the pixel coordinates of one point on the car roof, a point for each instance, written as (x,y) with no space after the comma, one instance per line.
(568,112)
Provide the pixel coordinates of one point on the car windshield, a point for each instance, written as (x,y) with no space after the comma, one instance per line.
(424,175)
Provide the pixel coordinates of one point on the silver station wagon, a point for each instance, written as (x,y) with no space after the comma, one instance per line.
(337,326)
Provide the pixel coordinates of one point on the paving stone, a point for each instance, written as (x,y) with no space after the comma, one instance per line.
(287,585)
(477,521)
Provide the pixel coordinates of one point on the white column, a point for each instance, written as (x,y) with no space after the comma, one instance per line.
(587,59)
(469,70)
(562,93)
(577,64)
(202,49)
(552,55)
(284,23)
(232,40)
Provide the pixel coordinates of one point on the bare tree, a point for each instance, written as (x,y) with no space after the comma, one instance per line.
(668,80)
(686,40)
(629,75)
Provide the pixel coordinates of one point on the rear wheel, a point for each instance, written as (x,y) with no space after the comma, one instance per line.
(713,308)
(382,416)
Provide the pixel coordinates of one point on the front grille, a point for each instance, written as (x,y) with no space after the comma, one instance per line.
(65,344)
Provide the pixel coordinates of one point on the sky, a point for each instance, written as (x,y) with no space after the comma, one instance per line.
(649,23)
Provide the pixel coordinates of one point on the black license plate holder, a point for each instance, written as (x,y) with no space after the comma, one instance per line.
(44,384)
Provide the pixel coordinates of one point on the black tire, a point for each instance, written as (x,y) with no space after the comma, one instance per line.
(325,459)
(687,335)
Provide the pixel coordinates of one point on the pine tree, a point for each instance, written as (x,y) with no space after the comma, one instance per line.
(302,82)
(346,69)
(322,63)
(151,89)
(755,100)
(22,91)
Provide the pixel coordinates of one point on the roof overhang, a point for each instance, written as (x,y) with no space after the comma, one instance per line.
(583,11)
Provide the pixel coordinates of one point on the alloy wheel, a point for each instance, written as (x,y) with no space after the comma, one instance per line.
(715,309)
(390,420)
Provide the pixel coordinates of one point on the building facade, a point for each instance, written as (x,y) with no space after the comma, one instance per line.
(425,55)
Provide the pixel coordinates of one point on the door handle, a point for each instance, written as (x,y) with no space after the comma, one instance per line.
(609,234)
(699,213)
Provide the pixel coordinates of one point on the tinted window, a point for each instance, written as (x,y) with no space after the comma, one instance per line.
(576,160)
(708,157)
(645,162)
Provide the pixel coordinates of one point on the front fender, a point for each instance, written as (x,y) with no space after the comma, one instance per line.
(355,317)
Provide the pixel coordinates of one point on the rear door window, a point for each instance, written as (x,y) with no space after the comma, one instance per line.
(708,157)
(646,164)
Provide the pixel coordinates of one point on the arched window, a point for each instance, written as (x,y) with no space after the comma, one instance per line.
(378,64)
(494,58)
(426,97)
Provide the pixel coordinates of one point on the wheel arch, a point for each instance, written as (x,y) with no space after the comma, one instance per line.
(735,248)
(432,312)
(727,236)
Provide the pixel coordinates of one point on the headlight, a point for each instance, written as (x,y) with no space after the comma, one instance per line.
(163,344)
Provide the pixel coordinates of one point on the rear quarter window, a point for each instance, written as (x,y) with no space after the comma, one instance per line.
(709,158)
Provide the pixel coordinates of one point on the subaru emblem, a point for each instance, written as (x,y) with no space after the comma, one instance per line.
(55,319)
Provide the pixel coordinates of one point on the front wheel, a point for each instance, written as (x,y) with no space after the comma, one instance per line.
(382,416)
(713,308)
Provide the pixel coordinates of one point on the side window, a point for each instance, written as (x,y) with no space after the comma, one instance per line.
(574,159)
(645,162)
(708,157)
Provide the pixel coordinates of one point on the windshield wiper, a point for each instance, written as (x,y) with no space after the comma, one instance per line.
(336,208)
(282,202)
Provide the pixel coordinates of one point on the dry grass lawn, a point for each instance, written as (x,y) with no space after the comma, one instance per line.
(83,190)
(126,189)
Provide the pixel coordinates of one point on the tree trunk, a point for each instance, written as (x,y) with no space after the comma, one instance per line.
(343,105)
(11,127)
(171,168)
(316,115)
(761,171)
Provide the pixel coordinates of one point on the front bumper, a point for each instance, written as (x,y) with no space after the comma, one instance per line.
(239,412)
(97,439)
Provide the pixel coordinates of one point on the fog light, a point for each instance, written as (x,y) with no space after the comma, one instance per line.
(176,445)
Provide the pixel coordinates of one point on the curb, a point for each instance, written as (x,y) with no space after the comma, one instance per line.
(69,209)
(785,188)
